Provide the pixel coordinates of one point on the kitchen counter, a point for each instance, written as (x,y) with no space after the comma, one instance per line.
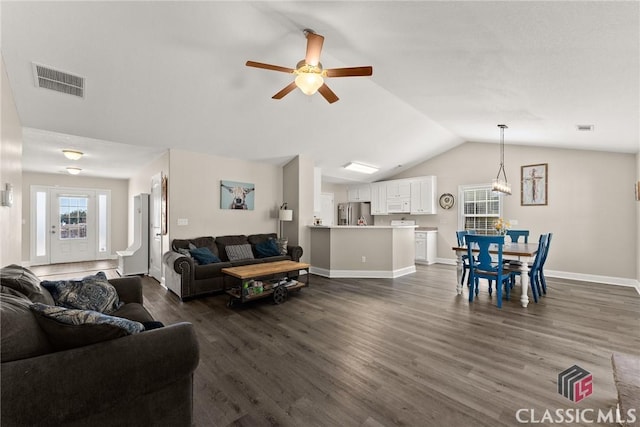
(364,226)
(374,251)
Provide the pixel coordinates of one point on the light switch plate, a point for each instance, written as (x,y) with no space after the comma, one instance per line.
(183,221)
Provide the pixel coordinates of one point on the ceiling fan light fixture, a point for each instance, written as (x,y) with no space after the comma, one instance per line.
(359,167)
(72,154)
(309,83)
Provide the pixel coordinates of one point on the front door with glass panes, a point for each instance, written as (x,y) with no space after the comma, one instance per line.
(69,225)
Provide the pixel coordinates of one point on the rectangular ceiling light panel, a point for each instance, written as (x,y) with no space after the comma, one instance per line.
(49,78)
(359,167)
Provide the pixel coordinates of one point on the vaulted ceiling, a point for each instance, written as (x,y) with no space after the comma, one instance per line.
(163,75)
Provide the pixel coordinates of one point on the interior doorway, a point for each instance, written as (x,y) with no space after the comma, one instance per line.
(155,228)
(69,225)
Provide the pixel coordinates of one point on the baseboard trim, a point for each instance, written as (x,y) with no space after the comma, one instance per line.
(362,274)
(594,278)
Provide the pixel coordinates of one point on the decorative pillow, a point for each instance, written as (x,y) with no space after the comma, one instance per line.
(89,293)
(237,252)
(70,328)
(267,248)
(185,252)
(204,256)
(23,280)
(282,245)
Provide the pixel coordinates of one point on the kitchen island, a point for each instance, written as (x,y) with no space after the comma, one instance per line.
(378,251)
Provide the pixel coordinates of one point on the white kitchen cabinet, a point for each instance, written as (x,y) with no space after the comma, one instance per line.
(359,193)
(423,196)
(398,189)
(426,247)
(379,198)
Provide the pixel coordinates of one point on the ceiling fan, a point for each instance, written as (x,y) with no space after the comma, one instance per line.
(309,72)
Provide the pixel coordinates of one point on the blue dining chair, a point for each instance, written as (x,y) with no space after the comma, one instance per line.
(542,280)
(534,268)
(465,259)
(483,266)
(516,234)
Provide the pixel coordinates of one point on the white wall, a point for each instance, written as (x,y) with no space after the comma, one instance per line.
(591,213)
(10,172)
(194,194)
(119,191)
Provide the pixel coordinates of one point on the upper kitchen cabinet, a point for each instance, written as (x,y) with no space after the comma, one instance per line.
(398,189)
(359,193)
(379,198)
(423,195)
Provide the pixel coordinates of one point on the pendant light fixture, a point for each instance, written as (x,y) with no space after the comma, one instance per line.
(499,185)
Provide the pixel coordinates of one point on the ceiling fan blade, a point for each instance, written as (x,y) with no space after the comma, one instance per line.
(349,72)
(269,67)
(285,91)
(314,47)
(328,93)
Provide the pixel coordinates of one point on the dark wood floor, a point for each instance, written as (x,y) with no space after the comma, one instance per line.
(401,352)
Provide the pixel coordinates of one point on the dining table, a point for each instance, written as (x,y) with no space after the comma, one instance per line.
(522,252)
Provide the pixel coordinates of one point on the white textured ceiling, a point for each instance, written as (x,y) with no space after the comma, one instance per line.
(163,75)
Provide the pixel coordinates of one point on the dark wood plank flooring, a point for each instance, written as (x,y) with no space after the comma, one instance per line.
(401,352)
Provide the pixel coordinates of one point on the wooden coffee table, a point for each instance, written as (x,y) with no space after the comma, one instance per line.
(247,273)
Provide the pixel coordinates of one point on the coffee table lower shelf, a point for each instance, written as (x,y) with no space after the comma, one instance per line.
(279,292)
(278,295)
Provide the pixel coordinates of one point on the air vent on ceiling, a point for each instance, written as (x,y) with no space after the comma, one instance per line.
(585,128)
(48,78)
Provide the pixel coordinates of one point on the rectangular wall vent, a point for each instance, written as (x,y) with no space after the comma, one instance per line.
(48,78)
(584,128)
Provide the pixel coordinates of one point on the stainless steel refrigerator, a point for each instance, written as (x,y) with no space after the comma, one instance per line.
(349,213)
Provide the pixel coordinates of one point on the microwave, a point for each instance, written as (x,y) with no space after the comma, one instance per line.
(399,206)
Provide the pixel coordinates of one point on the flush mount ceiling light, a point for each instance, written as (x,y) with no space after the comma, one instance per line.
(499,185)
(72,154)
(74,171)
(359,167)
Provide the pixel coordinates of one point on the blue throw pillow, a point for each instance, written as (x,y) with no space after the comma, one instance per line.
(267,248)
(204,256)
(89,293)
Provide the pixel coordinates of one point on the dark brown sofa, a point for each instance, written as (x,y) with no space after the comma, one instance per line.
(136,380)
(187,279)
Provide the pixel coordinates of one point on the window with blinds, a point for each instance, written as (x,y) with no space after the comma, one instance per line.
(480,209)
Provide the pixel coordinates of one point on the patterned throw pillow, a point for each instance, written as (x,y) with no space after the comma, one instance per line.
(204,256)
(70,328)
(238,252)
(282,245)
(89,293)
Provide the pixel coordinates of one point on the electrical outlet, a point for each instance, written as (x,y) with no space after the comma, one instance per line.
(513,221)
(364,258)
